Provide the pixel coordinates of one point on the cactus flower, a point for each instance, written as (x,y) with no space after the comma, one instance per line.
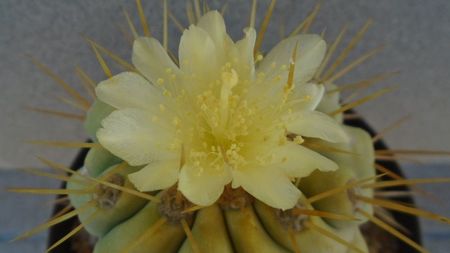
(220,116)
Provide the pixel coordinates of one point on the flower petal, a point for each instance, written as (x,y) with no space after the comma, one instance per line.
(310,53)
(298,161)
(129,90)
(202,186)
(94,117)
(306,96)
(156,175)
(330,101)
(268,184)
(242,56)
(150,58)
(198,55)
(213,23)
(317,125)
(131,135)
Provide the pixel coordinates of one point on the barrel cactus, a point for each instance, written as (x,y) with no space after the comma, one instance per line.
(224,148)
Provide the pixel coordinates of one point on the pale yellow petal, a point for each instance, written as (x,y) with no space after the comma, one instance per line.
(330,101)
(306,96)
(133,136)
(268,184)
(310,53)
(203,186)
(298,161)
(213,23)
(317,125)
(157,175)
(242,56)
(150,58)
(129,90)
(198,56)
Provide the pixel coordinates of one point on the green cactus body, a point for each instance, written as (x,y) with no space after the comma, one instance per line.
(210,228)
(135,234)
(94,117)
(252,227)
(356,162)
(107,207)
(98,160)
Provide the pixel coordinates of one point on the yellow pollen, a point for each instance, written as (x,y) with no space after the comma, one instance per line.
(298,140)
(259,57)
(229,80)
(160,81)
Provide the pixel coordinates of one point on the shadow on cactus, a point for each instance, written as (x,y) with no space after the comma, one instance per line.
(226,148)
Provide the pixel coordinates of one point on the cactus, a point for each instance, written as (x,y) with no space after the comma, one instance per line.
(225,149)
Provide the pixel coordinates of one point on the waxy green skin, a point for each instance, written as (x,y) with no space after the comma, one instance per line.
(353,166)
(98,160)
(104,218)
(167,238)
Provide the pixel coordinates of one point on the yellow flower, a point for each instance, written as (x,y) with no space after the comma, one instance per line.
(217,118)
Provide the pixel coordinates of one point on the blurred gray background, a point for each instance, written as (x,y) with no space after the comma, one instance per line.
(416,34)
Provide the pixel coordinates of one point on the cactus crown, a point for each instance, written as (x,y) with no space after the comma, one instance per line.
(218,119)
